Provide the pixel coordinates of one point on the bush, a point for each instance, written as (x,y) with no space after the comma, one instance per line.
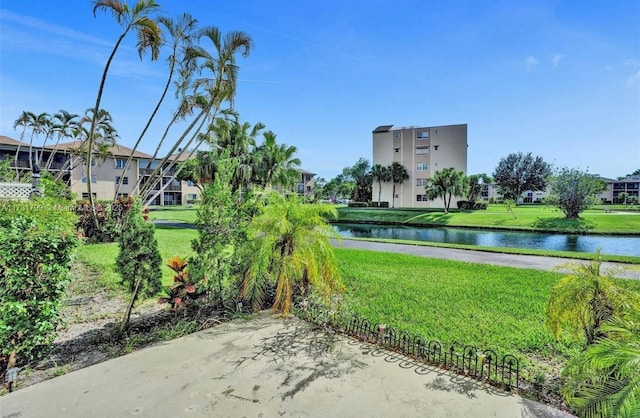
(467,205)
(384,204)
(111,217)
(357,204)
(37,240)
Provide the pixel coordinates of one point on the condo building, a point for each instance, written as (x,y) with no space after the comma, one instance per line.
(64,161)
(422,151)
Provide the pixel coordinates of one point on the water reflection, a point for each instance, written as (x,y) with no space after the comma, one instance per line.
(619,245)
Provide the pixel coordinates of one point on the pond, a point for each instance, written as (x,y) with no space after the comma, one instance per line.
(617,245)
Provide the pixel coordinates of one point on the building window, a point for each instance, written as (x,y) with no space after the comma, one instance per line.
(421,198)
(396,135)
(421,182)
(190,183)
(435,147)
(422,167)
(396,195)
(192,196)
(85,196)
(121,195)
(120,163)
(422,135)
(397,149)
(94,179)
(125,180)
(422,150)
(308,188)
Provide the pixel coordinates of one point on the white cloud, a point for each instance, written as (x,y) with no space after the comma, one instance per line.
(634,80)
(556,59)
(531,62)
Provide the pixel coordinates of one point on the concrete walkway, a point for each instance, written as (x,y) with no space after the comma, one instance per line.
(264,367)
(472,256)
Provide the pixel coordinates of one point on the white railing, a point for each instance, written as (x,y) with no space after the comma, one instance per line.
(17,191)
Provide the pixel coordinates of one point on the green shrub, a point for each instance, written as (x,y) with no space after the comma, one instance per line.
(357,204)
(37,240)
(468,205)
(111,217)
(138,261)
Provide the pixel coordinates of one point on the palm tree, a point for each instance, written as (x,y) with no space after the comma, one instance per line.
(24,120)
(149,38)
(64,124)
(38,125)
(398,175)
(213,89)
(604,380)
(181,33)
(445,184)
(380,174)
(275,163)
(585,299)
(240,141)
(291,245)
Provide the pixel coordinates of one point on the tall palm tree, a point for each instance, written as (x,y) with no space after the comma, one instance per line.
(291,246)
(398,176)
(181,34)
(380,174)
(64,124)
(275,164)
(446,183)
(38,124)
(24,120)
(216,84)
(149,38)
(604,380)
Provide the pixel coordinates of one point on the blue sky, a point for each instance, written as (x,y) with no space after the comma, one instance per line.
(558,79)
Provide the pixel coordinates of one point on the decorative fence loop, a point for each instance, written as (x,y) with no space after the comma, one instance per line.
(483,365)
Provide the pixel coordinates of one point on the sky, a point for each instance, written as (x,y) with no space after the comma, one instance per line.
(559,79)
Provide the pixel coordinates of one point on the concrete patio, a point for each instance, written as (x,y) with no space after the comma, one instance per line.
(265,367)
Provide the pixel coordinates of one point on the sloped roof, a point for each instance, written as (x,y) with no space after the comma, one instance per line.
(5,140)
(305,171)
(182,156)
(116,150)
(383,128)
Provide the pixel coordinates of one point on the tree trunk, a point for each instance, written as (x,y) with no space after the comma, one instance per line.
(393,196)
(125,320)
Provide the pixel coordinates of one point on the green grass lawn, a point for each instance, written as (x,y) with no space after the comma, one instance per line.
(101,258)
(529,217)
(174,213)
(487,306)
(454,302)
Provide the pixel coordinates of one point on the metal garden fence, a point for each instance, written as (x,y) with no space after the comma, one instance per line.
(483,365)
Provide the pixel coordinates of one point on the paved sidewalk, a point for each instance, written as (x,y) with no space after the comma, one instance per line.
(264,367)
(511,260)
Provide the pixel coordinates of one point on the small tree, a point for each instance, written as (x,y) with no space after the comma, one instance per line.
(445,184)
(584,300)
(398,175)
(574,191)
(291,247)
(138,262)
(220,224)
(519,172)
(474,188)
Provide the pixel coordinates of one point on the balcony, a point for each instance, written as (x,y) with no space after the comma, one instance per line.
(173,188)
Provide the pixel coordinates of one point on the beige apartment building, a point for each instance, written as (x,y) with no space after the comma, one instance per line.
(422,151)
(106,173)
